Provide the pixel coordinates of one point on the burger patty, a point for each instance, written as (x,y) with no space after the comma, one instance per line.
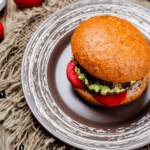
(93,80)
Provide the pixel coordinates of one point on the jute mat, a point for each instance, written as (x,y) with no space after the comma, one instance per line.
(14,112)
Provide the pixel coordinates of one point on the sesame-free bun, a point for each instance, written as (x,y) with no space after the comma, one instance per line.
(111,49)
(132,94)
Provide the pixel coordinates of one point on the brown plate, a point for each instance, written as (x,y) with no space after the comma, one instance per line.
(51,97)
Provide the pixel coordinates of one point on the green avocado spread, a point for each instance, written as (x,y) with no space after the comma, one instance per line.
(97,87)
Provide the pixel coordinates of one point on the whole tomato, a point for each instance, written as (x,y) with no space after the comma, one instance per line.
(28,3)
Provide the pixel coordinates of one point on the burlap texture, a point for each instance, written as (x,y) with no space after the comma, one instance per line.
(14,112)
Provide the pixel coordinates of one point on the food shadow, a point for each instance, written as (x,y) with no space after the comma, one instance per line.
(123,115)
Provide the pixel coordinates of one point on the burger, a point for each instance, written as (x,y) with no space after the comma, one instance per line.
(110,65)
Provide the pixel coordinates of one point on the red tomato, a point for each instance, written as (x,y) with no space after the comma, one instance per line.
(1,29)
(28,3)
(111,100)
(73,76)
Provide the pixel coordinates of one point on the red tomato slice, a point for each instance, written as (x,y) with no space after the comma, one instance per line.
(73,76)
(1,29)
(111,100)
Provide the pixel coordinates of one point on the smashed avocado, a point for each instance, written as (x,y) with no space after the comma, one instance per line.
(97,87)
(133,82)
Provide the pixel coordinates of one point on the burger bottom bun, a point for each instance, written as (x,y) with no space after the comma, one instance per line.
(132,94)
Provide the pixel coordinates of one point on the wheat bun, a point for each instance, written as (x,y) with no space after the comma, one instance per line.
(132,94)
(111,49)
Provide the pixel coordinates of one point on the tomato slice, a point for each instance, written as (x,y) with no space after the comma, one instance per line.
(111,100)
(1,29)
(73,76)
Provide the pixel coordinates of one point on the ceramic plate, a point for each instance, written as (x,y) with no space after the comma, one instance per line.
(51,97)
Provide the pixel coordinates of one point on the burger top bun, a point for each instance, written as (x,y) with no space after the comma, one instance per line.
(111,49)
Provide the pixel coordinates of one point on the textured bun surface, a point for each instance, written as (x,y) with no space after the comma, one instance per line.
(111,49)
(132,94)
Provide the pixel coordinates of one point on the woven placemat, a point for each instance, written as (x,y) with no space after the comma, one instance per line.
(14,112)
